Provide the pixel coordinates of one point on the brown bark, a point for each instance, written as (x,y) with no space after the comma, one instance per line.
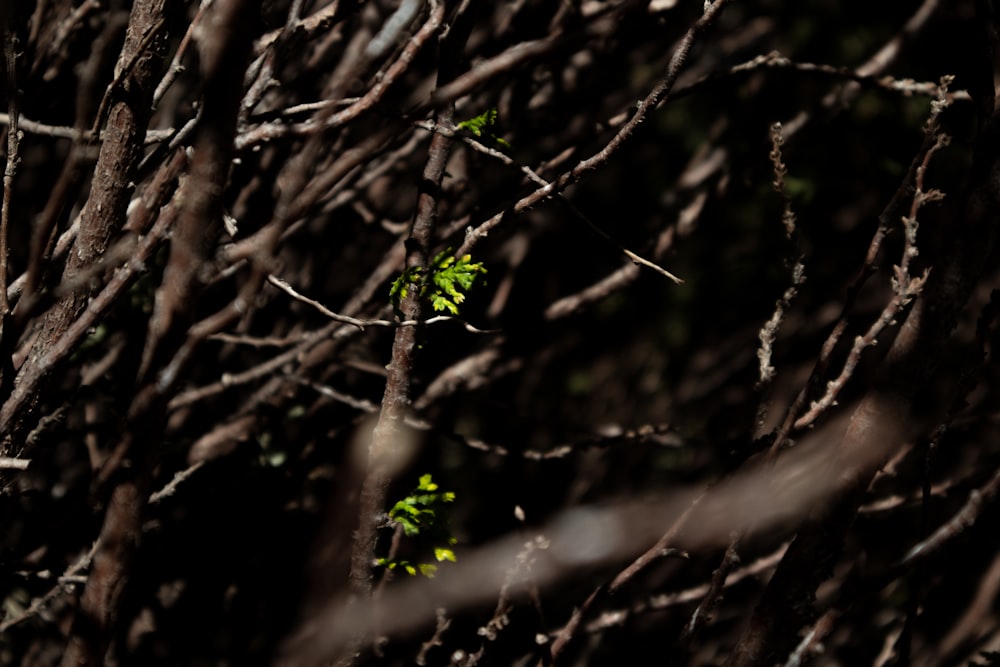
(223,57)
(127,105)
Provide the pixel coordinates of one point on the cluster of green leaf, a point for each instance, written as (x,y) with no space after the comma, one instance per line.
(421,515)
(444,285)
(479,126)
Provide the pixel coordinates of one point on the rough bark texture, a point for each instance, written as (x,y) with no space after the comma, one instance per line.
(198,227)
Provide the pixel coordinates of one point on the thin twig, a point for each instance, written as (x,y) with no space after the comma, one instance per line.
(175,64)
(546,185)
(66,580)
(13,143)
(271,131)
(905,287)
(661,601)
(655,97)
(769,331)
(362,324)
(866,76)
(171,487)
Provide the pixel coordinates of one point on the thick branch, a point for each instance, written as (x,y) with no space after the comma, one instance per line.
(104,213)
(223,62)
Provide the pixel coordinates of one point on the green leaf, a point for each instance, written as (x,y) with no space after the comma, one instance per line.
(400,286)
(443,554)
(450,278)
(477,124)
(420,516)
